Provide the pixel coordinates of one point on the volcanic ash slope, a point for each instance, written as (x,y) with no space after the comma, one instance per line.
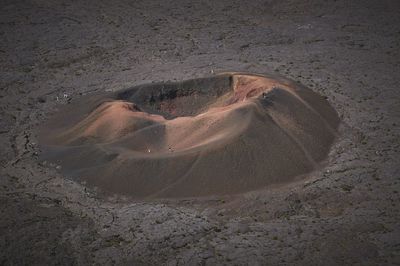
(225,134)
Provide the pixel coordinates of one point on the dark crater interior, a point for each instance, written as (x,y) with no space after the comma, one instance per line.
(175,99)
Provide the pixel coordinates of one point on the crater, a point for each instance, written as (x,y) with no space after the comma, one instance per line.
(225,134)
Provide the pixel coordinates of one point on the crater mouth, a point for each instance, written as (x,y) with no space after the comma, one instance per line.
(224,134)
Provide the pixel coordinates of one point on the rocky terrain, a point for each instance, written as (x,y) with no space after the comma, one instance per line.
(346,213)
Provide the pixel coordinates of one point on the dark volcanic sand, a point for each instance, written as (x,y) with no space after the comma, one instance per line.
(212,136)
(57,52)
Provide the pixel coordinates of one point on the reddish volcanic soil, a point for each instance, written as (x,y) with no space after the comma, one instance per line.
(227,134)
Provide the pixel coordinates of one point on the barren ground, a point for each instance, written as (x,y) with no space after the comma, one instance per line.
(344,214)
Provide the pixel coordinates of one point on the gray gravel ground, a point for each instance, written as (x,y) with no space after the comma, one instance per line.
(344,214)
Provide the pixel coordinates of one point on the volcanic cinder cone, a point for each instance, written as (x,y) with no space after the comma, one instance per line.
(225,134)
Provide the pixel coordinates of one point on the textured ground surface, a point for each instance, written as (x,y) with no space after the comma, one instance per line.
(346,213)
